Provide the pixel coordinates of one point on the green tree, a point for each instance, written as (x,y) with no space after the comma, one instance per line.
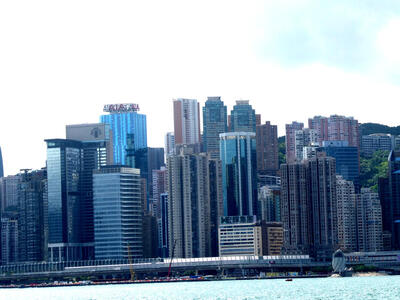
(372,168)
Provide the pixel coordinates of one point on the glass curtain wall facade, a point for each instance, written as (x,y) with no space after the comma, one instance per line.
(123,124)
(1,165)
(243,117)
(239,173)
(118,213)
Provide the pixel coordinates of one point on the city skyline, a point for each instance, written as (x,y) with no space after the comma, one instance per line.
(291,61)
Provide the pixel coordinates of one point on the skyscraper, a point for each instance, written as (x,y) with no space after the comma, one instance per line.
(304,138)
(169,143)
(243,117)
(1,165)
(9,239)
(32,218)
(346,214)
(239,173)
(394,187)
(269,203)
(291,140)
(267,149)
(64,165)
(369,221)
(9,192)
(118,213)
(189,204)
(124,119)
(347,160)
(186,121)
(214,123)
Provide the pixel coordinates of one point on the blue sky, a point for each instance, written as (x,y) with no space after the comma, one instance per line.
(61,61)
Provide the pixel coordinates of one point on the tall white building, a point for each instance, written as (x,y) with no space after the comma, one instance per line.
(369,221)
(346,214)
(303,138)
(186,121)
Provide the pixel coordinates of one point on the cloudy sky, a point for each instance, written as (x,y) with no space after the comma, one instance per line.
(60,61)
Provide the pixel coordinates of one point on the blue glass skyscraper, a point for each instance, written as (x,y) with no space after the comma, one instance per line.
(239,173)
(124,121)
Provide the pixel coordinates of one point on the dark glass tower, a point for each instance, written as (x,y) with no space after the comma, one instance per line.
(214,123)
(1,165)
(239,173)
(243,117)
(394,189)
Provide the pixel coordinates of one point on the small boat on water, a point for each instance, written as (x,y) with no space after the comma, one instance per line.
(288,279)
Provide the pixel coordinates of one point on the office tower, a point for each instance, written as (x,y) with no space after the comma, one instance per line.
(385,200)
(163,230)
(118,213)
(296,208)
(189,204)
(98,133)
(240,235)
(269,203)
(346,214)
(320,124)
(214,123)
(32,218)
(267,149)
(216,201)
(394,187)
(374,142)
(169,144)
(1,165)
(243,117)
(323,201)
(186,121)
(64,165)
(347,160)
(239,173)
(304,138)
(291,140)
(96,151)
(369,221)
(9,192)
(9,239)
(337,128)
(273,237)
(124,119)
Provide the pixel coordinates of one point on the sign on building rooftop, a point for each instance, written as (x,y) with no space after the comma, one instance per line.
(121,107)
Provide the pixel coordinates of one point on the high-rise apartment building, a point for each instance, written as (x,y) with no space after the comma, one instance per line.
(309,207)
(269,203)
(163,230)
(346,214)
(159,186)
(32,217)
(124,119)
(374,142)
(243,117)
(304,138)
(9,239)
(118,213)
(239,173)
(267,149)
(369,221)
(214,123)
(169,144)
(291,140)
(186,121)
(296,208)
(337,128)
(189,204)
(386,203)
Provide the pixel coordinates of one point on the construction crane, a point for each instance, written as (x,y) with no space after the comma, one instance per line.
(172,257)
(130,263)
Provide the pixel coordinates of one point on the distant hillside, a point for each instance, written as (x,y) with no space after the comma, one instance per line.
(370,128)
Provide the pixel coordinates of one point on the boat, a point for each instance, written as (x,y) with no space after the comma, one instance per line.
(288,279)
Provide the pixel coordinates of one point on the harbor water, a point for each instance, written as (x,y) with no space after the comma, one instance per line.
(352,288)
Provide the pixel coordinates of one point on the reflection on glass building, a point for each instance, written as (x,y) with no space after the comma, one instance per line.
(118,213)
(239,173)
(124,123)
